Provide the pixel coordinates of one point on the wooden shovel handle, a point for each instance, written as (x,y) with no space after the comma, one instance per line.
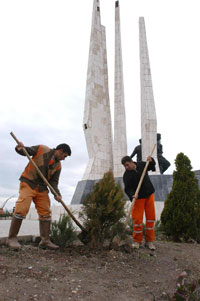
(138,187)
(47,183)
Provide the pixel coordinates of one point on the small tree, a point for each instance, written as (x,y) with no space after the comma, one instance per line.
(103,210)
(63,232)
(180,217)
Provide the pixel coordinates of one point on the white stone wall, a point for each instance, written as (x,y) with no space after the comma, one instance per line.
(57,211)
(97,117)
(120,140)
(148,111)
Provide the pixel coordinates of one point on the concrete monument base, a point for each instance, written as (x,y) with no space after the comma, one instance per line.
(162,184)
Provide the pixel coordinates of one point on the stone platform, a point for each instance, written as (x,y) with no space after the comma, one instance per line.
(162,184)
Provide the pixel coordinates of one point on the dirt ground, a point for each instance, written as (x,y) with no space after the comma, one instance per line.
(78,273)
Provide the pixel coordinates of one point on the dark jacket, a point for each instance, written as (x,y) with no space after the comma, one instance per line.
(131,179)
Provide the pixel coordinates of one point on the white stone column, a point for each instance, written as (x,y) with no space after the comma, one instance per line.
(97,118)
(120,140)
(148,111)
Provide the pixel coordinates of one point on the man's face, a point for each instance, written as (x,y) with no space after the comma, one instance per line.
(129,165)
(61,155)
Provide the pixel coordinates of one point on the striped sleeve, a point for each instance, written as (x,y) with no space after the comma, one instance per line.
(31,150)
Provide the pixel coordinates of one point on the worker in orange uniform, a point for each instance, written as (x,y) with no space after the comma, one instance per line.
(33,188)
(144,200)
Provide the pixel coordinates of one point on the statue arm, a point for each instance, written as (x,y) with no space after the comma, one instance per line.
(134,152)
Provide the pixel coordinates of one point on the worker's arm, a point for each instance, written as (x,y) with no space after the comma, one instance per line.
(31,150)
(54,183)
(152,163)
(129,186)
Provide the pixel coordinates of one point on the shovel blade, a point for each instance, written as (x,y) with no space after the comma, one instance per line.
(84,237)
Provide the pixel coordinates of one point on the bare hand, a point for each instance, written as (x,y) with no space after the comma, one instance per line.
(135,196)
(20,146)
(149,158)
(58,198)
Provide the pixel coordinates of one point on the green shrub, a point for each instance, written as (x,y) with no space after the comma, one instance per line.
(129,229)
(63,232)
(6,214)
(180,217)
(103,210)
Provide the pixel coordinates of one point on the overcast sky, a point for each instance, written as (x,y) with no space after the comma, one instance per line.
(43,66)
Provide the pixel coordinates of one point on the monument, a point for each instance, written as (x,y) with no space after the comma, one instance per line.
(104,152)
(120,140)
(97,117)
(148,111)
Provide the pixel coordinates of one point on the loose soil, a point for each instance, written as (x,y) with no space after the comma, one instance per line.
(81,273)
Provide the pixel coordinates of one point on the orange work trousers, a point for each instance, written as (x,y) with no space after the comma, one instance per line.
(144,205)
(40,199)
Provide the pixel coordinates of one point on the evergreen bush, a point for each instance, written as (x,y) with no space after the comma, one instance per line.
(6,214)
(180,217)
(103,210)
(63,232)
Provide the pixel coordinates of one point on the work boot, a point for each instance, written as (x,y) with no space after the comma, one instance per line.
(45,242)
(12,241)
(135,245)
(150,245)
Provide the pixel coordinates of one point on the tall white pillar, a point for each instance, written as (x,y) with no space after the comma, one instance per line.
(148,111)
(120,140)
(97,117)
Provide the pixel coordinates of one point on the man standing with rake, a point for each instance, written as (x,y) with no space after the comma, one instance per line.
(144,200)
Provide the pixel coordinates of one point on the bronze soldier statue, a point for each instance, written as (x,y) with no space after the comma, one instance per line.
(164,164)
(138,152)
(162,161)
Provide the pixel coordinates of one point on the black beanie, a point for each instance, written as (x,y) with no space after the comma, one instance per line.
(65,147)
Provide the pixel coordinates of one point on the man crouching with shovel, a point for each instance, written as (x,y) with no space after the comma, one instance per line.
(143,201)
(33,188)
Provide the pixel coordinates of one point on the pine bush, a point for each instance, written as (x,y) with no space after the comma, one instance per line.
(63,232)
(103,210)
(180,217)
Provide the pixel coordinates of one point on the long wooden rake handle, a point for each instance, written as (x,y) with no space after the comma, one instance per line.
(48,184)
(138,188)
